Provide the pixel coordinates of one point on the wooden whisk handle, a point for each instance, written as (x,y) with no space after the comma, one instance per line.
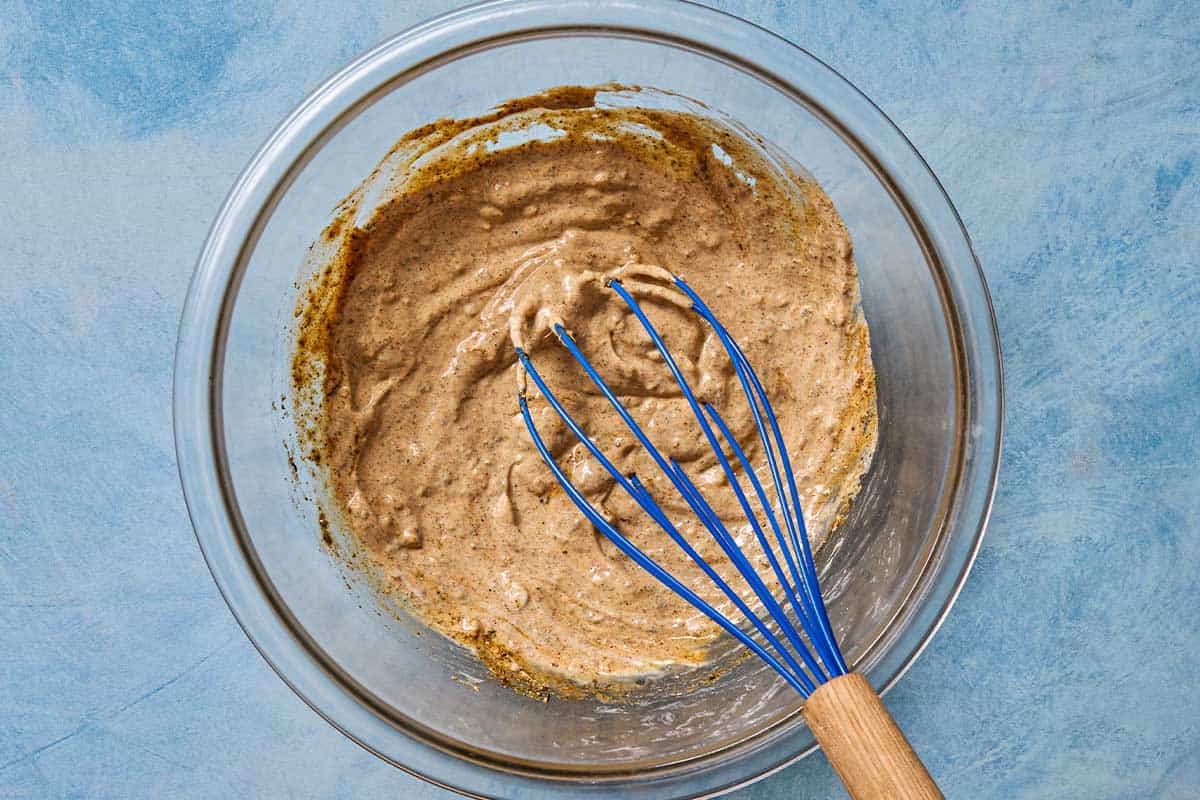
(863,743)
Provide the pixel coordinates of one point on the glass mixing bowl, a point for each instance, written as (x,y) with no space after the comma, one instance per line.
(414,698)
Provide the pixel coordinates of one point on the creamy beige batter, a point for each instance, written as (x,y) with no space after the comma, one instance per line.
(482,245)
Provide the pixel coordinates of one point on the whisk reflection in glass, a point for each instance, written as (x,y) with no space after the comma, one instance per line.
(861,740)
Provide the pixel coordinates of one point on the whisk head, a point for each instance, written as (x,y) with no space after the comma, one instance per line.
(803,664)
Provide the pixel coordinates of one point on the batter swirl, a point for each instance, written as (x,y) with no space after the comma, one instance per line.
(493,230)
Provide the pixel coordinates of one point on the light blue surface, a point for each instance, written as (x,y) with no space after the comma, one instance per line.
(1069,138)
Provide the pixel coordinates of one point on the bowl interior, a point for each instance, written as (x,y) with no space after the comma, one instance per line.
(424,686)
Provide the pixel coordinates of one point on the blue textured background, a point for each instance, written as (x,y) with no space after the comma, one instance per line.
(1069,138)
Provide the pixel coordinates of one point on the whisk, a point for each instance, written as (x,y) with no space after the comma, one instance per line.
(859,736)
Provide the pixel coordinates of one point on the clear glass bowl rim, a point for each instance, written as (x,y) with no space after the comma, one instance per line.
(209,304)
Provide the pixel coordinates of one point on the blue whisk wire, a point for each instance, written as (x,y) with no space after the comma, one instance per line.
(716,447)
(796,527)
(807,604)
(689,492)
(634,488)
